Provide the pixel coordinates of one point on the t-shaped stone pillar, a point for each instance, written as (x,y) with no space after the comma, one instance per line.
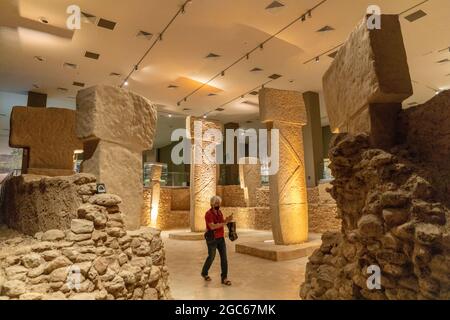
(368,81)
(116,126)
(150,218)
(49,134)
(203,172)
(285,111)
(250,177)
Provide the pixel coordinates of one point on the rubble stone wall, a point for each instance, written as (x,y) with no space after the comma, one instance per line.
(36,203)
(94,259)
(393,217)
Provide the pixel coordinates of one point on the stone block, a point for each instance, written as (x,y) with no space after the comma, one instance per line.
(49,134)
(250,178)
(370,69)
(116,126)
(282,105)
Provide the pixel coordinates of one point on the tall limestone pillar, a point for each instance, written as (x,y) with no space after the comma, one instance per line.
(250,177)
(151,218)
(116,126)
(285,111)
(203,170)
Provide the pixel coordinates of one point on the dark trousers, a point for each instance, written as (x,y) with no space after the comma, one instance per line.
(217,244)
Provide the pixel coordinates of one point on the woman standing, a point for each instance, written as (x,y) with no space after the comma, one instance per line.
(215,224)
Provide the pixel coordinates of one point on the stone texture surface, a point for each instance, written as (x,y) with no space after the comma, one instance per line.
(111,262)
(36,203)
(49,134)
(286,112)
(322,210)
(116,126)
(150,214)
(232,196)
(370,68)
(393,216)
(203,172)
(250,178)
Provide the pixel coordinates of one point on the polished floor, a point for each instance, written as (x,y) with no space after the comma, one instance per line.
(253,278)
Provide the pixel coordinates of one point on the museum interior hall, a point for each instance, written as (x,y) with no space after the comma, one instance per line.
(224,150)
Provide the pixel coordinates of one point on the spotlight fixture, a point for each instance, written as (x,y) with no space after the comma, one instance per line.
(43,20)
(309,14)
(248,56)
(178,103)
(261,46)
(317,59)
(205,116)
(136,67)
(223,73)
(170,116)
(126,83)
(185,99)
(303,18)
(160,37)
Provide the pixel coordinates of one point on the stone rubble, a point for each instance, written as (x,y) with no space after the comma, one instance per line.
(113,264)
(392,217)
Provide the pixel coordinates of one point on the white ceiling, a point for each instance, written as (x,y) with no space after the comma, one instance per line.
(229,28)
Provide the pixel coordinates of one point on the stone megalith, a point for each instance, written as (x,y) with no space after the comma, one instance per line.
(367,82)
(203,178)
(49,135)
(285,111)
(150,218)
(116,126)
(250,177)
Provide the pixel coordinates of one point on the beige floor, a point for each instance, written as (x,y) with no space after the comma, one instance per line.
(253,278)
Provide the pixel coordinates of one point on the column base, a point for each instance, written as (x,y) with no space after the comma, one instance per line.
(270,251)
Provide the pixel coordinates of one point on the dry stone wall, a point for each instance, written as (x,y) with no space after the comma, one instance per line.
(393,216)
(36,203)
(94,259)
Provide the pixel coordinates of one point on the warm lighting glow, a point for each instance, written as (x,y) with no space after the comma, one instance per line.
(78,151)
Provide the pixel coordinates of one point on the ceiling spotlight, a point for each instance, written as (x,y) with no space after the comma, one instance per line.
(205,116)
(185,99)
(178,103)
(170,116)
(317,59)
(223,73)
(126,83)
(261,46)
(39,58)
(310,14)
(160,37)
(136,67)
(303,18)
(248,56)
(243,96)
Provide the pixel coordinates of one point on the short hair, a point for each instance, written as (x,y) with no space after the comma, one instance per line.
(215,199)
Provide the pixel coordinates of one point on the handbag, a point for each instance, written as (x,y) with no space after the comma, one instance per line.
(232,234)
(209,235)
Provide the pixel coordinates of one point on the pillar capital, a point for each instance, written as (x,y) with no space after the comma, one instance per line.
(282,106)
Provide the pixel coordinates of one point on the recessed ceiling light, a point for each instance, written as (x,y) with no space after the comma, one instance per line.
(205,116)
(325,29)
(186,109)
(212,55)
(35,86)
(144,35)
(416,16)
(254,93)
(275,76)
(107,24)
(126,84)
(172,86)
(275,4)
(63,89)
(92,55)
(78,84)
(114,74)
(88,18)
(212,95)
(333,54)
(220,109)
(256,69)
(39,58)
(43,20)
(443,61)
(70,65)
(170,116)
